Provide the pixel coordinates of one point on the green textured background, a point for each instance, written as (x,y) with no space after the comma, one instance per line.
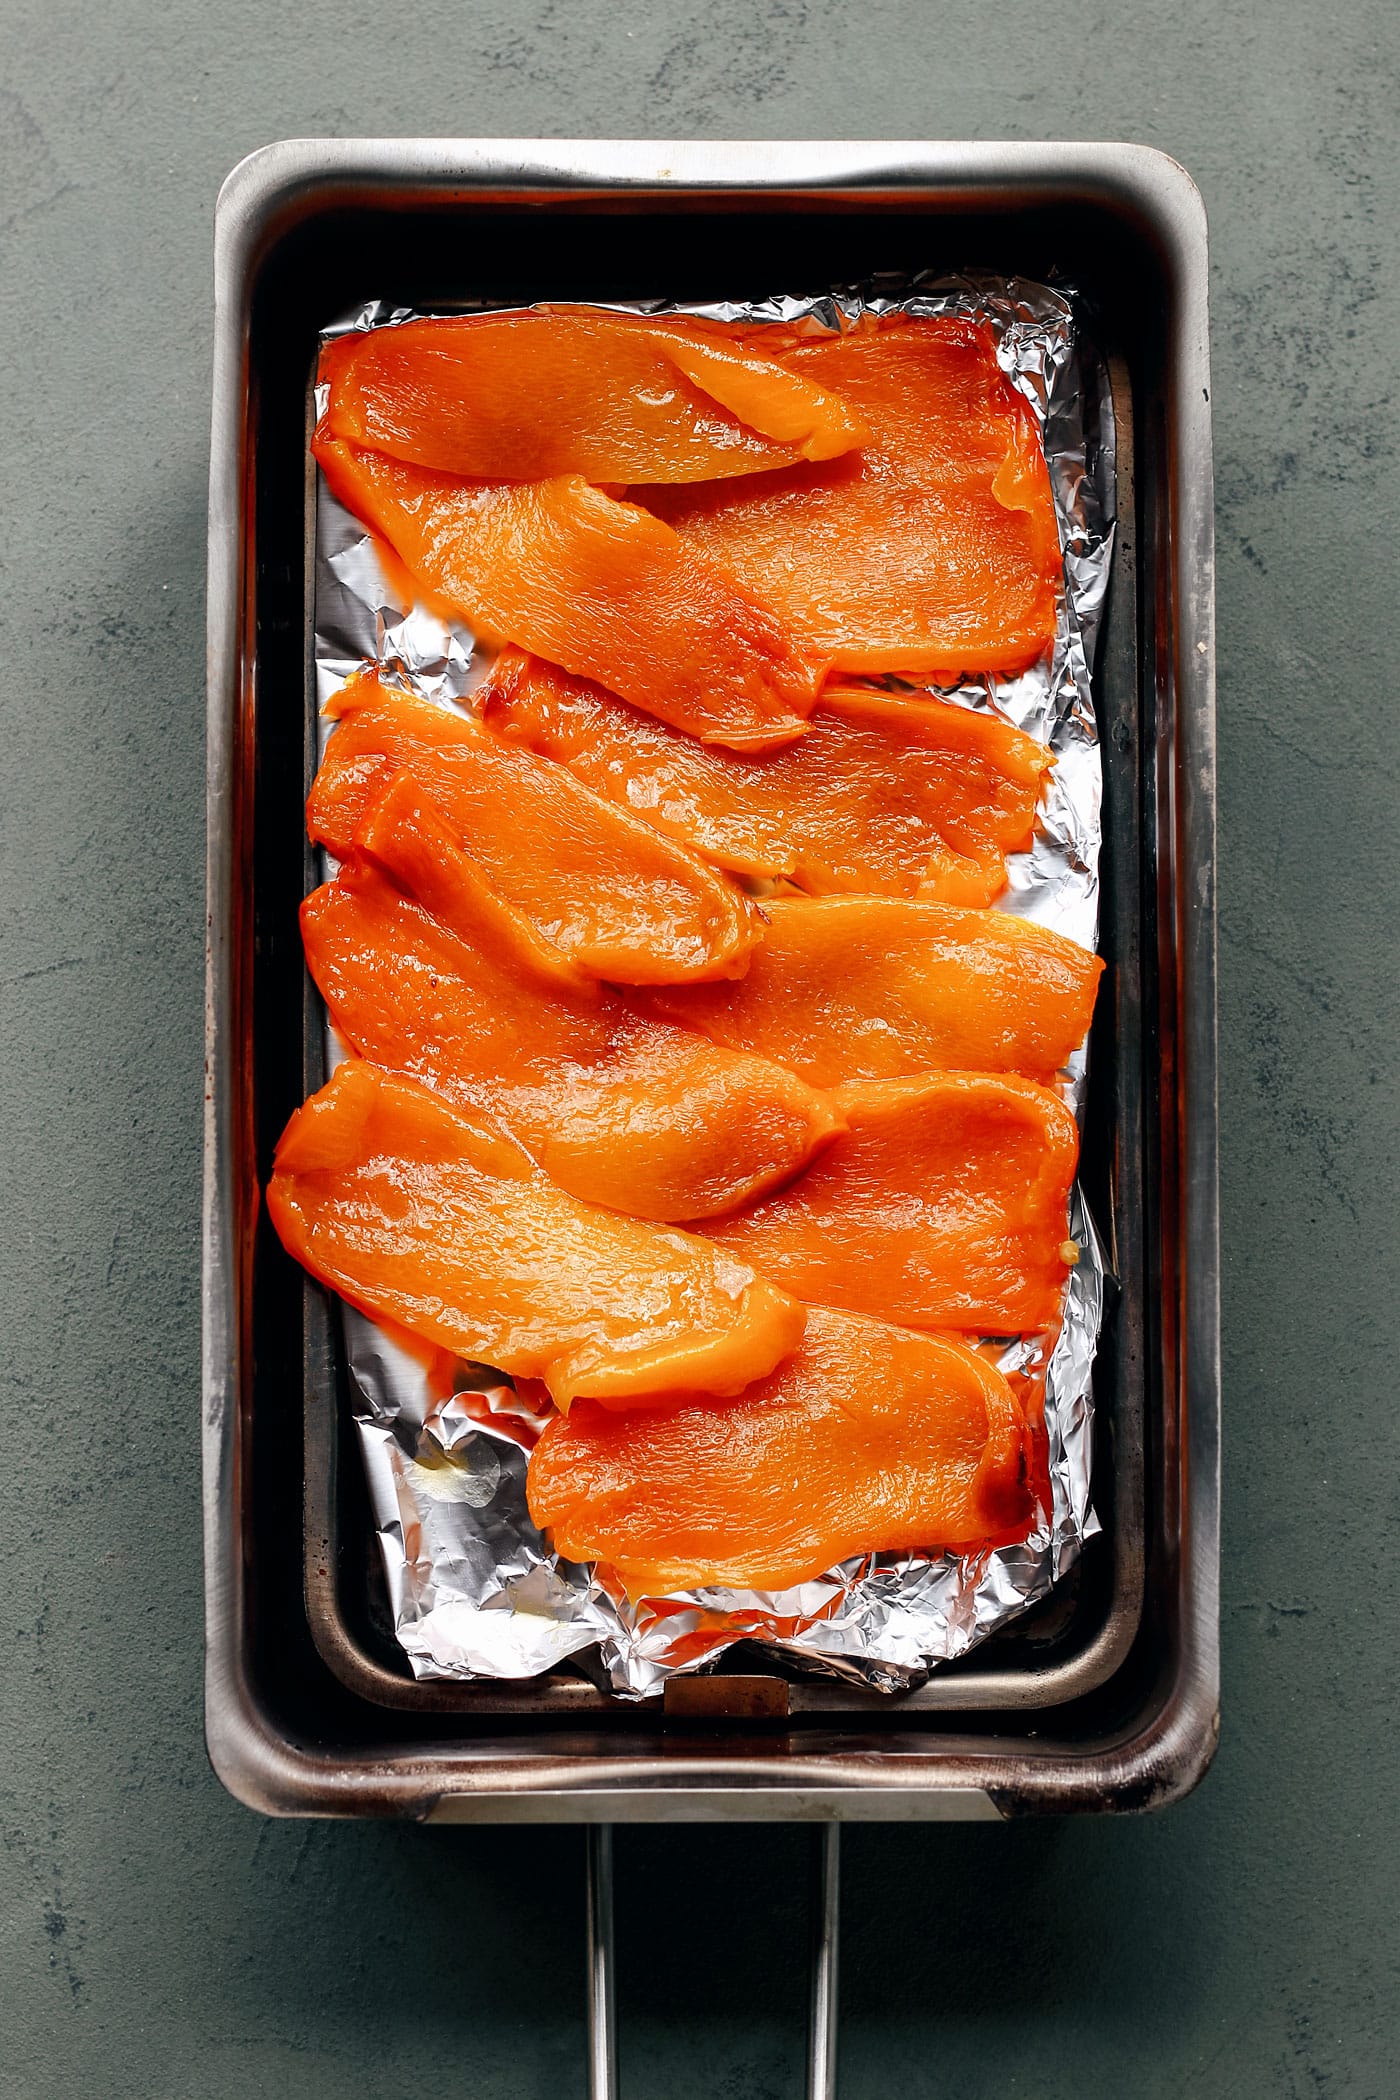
(156,1939)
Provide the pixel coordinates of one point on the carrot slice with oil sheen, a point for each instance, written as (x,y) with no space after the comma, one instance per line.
(597,585)
(527,396)
(848,988)
(865,1439)
(453,986)
(618,898)
(435,1218)
(934,549)
(944,1204)
(887,794)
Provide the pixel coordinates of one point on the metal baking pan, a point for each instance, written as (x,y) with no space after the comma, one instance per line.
(1106,1696)
(1066,1646)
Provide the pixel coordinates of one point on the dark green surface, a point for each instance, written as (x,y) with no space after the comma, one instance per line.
(157,1940)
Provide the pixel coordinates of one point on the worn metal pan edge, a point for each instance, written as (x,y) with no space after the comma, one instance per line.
(261,1760)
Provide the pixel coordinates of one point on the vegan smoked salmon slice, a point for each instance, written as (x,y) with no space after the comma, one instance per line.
(597,585)
(931,550)
(622,901)
(866,1439)
(434,1218)
(944,1204)
(895,795)
(527,396)
(850,988)
(450,984)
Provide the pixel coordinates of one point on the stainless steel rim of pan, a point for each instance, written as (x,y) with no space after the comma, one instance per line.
(292,218)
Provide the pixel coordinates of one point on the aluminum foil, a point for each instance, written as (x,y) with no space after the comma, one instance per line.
(474,1588)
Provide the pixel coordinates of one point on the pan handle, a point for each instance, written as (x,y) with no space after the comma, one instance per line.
(602,2011)
(823,2017)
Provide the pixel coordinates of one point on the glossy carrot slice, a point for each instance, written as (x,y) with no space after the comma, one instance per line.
(435,1219)
(943,1205)
(619,1110)
(894,795)
(880,987)
(527,396)
(619,899)
(591,583)
(934,549)
(866,1439)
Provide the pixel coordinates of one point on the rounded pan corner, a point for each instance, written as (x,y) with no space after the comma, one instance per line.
(261,1770)
(246,1761)
(1160,1765)
(1152,189)
(260,192)
(264,178)
(1171,1759)
(274,1775)
(1165,183)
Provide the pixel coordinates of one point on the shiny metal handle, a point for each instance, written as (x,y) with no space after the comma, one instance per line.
(823,2020)
(823,2025)
(602,2016)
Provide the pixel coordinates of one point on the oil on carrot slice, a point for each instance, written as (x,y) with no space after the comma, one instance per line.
(943,1205)
(440,978)
(934,548)
(432,1217)
(865,1439)
(616,398)
(894,795)
(618,898)
(850,988)
(597,585)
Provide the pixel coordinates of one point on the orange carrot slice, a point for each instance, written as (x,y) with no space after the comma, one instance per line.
(441,978)
(942,1205)
(616,398)
(865,1439)
(594,584)
(616,897)
(880,987)
(932,550)
(434,1218)
(895,795)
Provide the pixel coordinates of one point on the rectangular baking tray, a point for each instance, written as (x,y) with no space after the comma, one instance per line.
(1104,1697)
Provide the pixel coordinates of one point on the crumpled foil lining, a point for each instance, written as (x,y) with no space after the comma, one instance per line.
(474,1588)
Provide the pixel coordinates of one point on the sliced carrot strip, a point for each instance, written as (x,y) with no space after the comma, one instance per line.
(620,1110)
(599,586)
(943,1205)
(619,899)
(895,795)
(527,396)
(934,549)
(880,987)
(865,1439)
(434,1218)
